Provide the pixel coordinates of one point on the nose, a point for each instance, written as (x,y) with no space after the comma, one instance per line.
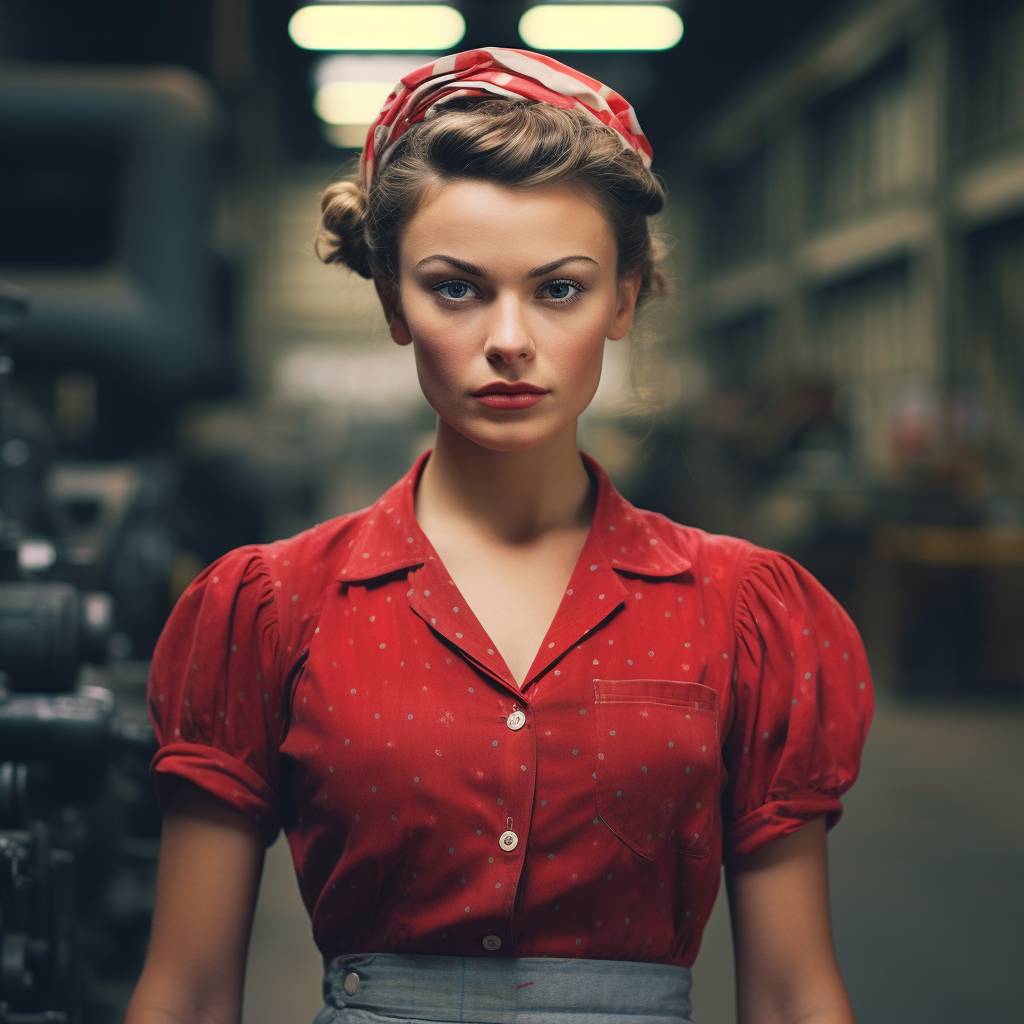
(508,336)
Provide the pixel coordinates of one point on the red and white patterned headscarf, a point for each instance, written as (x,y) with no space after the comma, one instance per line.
(499,72)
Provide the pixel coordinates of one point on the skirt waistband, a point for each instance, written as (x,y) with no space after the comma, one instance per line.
(361,988)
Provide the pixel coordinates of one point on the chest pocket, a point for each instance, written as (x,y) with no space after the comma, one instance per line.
(657,763)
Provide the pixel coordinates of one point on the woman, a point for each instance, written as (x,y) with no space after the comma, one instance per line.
(510,723)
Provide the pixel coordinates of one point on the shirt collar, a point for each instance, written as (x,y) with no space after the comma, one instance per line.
(632,540)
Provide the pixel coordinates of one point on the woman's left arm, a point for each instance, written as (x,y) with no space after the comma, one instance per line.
(786,971)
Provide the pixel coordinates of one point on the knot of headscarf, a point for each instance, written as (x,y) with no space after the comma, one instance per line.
(498,72)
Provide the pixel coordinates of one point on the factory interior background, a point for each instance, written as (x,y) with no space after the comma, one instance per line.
(838,374)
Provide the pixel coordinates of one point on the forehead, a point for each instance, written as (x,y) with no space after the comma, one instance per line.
(480,221)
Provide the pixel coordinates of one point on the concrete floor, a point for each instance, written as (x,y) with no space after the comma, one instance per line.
(927,882)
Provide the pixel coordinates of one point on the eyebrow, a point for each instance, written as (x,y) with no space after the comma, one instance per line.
(475,271)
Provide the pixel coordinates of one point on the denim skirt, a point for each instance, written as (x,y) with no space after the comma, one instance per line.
(381,988)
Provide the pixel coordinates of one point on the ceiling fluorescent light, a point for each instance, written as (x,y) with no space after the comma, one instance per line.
(346,136)
(351,102)
(367,67)
(376,27)
(601,27)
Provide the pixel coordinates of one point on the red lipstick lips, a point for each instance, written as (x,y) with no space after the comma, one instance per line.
(502,395)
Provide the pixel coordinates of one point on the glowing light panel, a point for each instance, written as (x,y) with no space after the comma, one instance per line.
(345,136)
(601,27)
(351,102)
(367,67)
(376,27)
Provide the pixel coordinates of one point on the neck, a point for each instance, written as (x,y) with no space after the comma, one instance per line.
(511,497)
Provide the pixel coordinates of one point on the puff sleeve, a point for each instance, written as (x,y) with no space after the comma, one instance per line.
(803,705)
(215,694)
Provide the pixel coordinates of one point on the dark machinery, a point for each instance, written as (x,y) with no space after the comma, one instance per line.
(78,822)
(66,847)
(114,311)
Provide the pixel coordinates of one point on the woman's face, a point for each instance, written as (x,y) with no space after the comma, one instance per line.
(507,296)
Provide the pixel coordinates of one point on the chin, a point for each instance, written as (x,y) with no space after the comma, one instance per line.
(508,444)
(508,440)
(507,437)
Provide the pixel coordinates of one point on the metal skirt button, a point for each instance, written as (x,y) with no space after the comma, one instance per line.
(516,721)
(351,983)
(508,840)
(491,942)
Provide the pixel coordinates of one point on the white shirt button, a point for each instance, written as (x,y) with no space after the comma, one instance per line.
(516,721)
(508,840)
(351,983)
(492,942)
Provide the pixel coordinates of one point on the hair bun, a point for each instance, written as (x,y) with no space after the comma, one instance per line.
(341,235)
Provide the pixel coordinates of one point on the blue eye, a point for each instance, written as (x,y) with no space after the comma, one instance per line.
(452,289)
(561,291)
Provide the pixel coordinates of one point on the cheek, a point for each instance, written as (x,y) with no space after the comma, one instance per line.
(443,359)
(435,344)
(580,356)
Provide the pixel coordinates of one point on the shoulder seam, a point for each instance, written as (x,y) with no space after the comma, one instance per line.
(741,581)
(275,609)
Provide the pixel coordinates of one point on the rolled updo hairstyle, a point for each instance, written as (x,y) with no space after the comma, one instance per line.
(508,142)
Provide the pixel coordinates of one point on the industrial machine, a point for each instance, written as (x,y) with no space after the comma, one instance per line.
(112,313)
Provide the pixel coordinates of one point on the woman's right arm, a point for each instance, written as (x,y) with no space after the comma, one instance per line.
(211,858)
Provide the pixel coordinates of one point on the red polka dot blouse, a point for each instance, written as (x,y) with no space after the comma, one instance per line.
(695,698)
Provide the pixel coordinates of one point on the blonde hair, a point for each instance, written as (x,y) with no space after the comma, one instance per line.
(508,142)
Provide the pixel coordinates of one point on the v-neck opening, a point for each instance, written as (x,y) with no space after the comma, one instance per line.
(591,558)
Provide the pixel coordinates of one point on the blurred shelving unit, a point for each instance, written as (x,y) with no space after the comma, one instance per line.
(857,246)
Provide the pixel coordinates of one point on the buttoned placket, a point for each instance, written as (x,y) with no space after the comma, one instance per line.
(594,594)
(434,597)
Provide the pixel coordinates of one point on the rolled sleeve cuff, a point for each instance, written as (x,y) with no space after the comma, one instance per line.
(774,820)
(221,775)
